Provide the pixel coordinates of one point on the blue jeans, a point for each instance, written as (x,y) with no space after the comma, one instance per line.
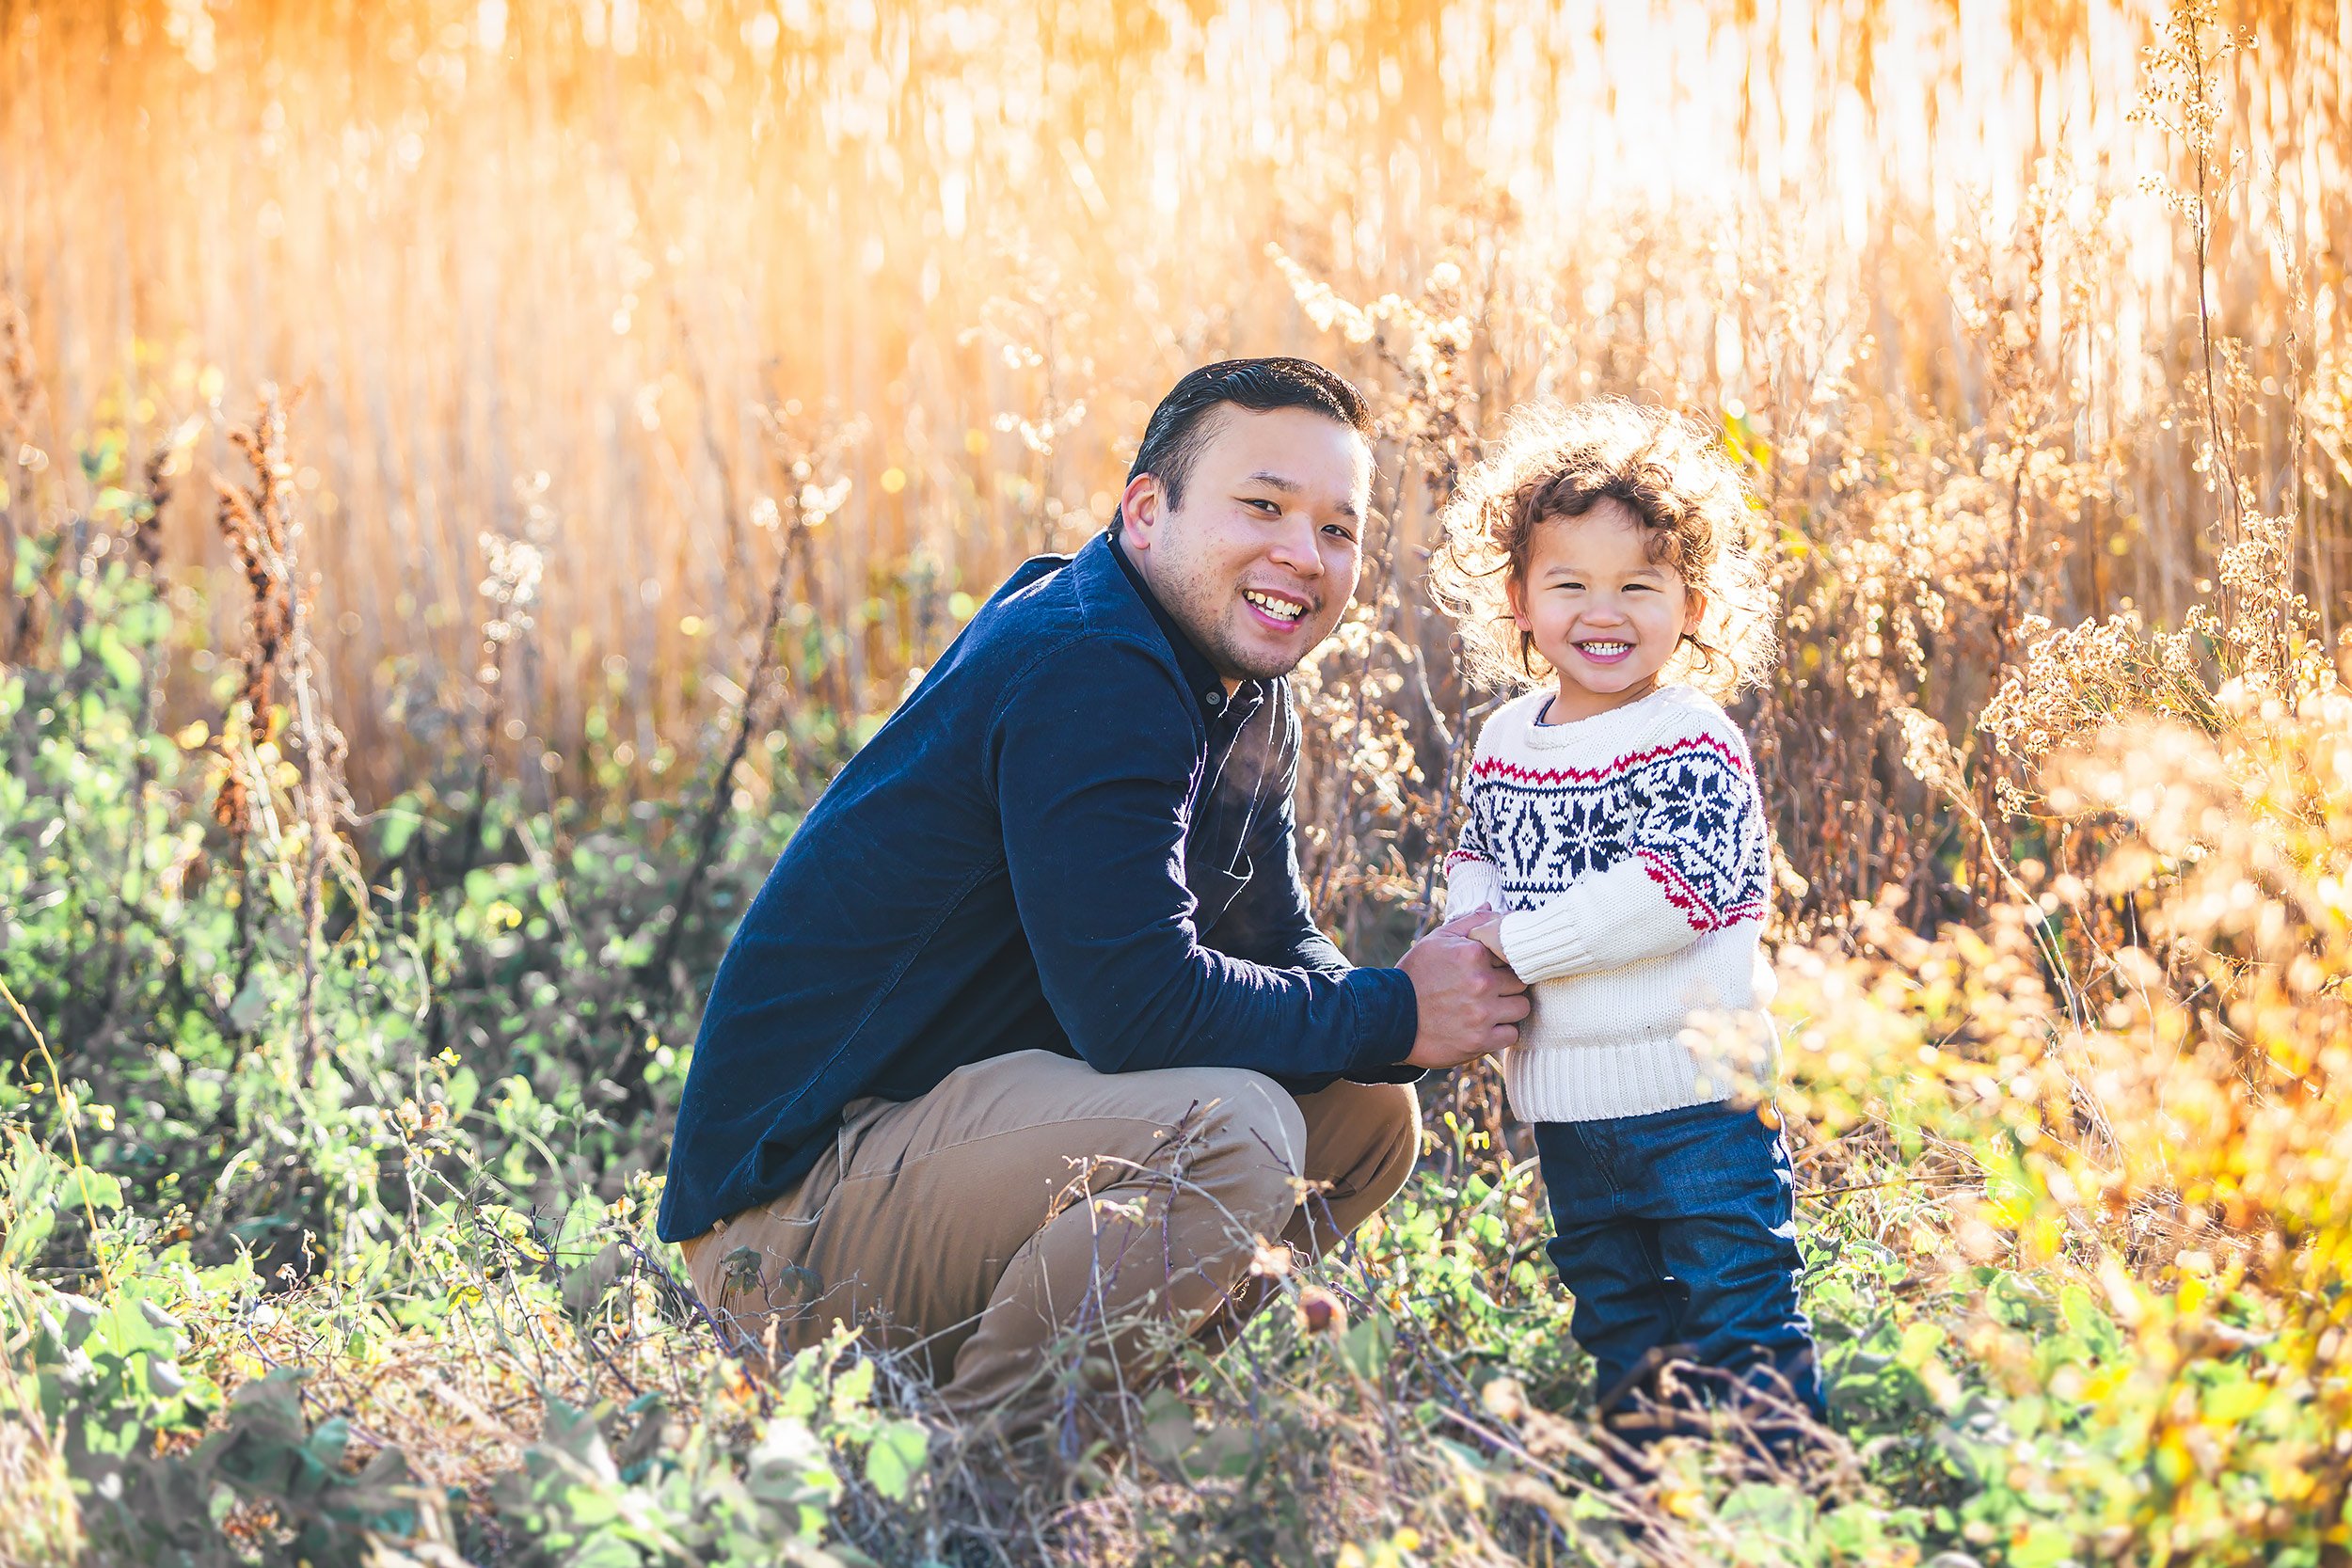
(1677,1234)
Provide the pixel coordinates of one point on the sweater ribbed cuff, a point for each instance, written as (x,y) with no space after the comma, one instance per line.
(1542,942)
(1472,884)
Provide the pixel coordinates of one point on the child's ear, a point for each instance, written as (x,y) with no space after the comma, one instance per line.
(1516,593)
(1695,610)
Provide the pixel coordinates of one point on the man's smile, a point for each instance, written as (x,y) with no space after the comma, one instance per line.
(1282,609)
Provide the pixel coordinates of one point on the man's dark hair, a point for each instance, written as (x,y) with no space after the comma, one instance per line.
(1178,428)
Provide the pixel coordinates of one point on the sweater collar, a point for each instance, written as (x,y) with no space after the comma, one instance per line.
(1615,729)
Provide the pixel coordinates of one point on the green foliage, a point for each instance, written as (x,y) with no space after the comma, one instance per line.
(404,1305)
(580,1499)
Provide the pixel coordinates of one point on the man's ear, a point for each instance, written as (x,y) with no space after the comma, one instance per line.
(1140,511)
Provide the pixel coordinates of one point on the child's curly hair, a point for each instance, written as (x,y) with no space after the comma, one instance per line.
(1669,471)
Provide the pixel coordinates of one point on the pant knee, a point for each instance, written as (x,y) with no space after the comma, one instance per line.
(1249,1143)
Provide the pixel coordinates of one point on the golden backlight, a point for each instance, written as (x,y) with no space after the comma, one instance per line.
(592,277)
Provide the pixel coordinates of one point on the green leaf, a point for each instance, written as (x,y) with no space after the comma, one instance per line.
(1919,1343)
(605,1549)
(896,1457)
(1856,1530)
(465,1088)
(2094,1327)
(120,662)
(92,1187)
(29,1187)
(577,1240)
(2233,1398)
(250,1006)
(2045,1545)
(399,827)
(1366,1346)
(790,1471)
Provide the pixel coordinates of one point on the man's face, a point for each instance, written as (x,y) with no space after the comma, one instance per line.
(1260,559)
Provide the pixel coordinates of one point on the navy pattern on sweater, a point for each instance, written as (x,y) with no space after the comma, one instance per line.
(1685,809)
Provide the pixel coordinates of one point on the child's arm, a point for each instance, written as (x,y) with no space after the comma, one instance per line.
(1472,881)
(1699,862)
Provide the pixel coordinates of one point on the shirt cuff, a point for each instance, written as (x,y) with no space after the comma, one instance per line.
(1388,1016)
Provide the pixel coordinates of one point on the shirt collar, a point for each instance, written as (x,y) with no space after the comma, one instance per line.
(1200,677)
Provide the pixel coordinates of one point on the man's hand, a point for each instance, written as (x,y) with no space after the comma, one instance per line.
(1471,1003)
(1486,927)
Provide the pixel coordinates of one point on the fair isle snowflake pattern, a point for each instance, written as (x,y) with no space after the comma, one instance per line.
(1688,811)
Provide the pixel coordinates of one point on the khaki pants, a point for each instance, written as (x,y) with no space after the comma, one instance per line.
(1029,1201)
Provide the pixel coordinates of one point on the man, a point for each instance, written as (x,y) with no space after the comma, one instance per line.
(1030,1034)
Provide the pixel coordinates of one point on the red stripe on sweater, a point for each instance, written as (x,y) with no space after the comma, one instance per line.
(1496,767)
(1683,896)
(1679,891)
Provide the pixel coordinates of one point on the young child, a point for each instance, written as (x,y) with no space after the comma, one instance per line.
(1614,823)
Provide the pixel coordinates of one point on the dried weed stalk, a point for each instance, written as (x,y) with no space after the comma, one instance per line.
(263,528)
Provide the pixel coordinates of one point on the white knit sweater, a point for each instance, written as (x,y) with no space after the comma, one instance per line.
(1628,854)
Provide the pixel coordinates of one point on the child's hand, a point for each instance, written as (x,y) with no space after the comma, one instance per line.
(1489,932)
(1485,926)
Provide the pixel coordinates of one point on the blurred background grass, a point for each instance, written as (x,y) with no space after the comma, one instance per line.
(579,275)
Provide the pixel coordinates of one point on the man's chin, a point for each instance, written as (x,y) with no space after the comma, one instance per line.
(1247,654)
(1261,664)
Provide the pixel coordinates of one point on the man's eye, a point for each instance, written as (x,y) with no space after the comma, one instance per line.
(1272,509)
(1339,531)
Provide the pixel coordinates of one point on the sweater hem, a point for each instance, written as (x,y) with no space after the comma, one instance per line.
(1621,1078)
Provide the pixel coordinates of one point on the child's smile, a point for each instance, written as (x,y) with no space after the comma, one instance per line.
(1605,615)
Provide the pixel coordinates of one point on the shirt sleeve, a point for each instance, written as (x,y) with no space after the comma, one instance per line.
(1699,862)
(1090,764)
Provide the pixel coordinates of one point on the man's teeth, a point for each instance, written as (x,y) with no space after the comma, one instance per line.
(1281,609)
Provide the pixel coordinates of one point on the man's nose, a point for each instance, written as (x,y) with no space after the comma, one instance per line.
(1293,546)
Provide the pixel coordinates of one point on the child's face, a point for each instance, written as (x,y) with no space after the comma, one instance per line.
(1605,615)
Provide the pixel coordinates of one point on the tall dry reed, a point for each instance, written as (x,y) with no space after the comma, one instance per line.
(498,241)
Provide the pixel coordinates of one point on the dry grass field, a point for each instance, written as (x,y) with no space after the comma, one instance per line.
(473,470)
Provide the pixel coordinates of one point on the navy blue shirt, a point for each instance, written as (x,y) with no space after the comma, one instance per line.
(1066,838)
